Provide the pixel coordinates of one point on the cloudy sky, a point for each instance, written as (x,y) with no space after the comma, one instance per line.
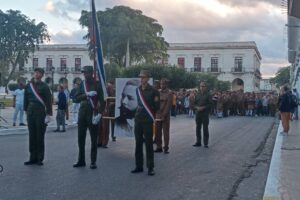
(261,21)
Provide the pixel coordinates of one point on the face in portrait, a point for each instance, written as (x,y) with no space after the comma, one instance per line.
(129,102)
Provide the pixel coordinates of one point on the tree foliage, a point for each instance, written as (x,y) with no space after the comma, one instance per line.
(19,36)
(121,24)
(282,76)
(178,77)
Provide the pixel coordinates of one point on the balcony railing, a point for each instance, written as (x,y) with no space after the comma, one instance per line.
(76,70)
(238,70)
(62,70)
(214,70)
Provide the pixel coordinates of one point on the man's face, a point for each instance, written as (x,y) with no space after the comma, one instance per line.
(144,80)
(163,85)
(37,75)
(88,75)
(202,87)
(128,102)
(129,98)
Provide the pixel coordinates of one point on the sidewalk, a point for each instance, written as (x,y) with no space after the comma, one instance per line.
(7,128)
(284,173)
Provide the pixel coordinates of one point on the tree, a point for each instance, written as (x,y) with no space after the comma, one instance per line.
(178,77)
(121,27)
(19,36)
(282,76)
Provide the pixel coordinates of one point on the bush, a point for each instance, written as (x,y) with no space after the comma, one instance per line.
(178,77)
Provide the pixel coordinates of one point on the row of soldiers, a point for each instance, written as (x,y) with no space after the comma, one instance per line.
(244,104)
(150,110)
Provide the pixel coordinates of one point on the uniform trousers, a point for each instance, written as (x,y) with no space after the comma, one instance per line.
(202,120)
(37,129)
(84,123)
(163,128)
(143,133)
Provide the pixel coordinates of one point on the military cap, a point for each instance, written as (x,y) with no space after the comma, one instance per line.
(39,69)
(88,68)
(144,73)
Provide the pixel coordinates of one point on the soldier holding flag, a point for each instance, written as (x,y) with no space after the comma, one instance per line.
(92,103)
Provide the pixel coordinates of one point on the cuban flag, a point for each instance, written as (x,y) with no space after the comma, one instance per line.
(95,41)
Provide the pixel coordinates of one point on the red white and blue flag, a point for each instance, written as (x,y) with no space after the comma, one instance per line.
(95,41)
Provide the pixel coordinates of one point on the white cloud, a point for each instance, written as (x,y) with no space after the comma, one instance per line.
(202,21)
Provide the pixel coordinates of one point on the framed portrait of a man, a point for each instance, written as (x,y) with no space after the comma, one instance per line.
(126,105)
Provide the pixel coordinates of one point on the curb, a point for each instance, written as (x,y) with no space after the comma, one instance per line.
(272,185)
(24,131)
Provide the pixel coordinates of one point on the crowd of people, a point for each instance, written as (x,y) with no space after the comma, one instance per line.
(229,103)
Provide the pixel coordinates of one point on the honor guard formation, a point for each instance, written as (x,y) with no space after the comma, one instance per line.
(145,113)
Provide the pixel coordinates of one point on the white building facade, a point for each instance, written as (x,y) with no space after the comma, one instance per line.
(266,85)
(62,63)
(236,62)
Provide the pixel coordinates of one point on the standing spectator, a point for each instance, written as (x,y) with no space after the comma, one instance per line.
(61,109)
(18,104)
(265,104)
(75,104)
(67,93)
(192,103)
(285,107)
(203,104)
(173,109)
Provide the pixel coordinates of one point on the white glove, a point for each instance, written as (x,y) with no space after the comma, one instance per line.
(96,119)
(47,119)
(91,93)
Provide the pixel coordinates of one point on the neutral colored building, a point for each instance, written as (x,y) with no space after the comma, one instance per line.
(236,62)
(266,85)
(62,62)
(293,25)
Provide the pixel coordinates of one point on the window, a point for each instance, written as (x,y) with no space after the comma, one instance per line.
(180,62)
(63,64)
(77,64)
(214,64)
(197,64)
(35,63)
(49,64)
(238,64)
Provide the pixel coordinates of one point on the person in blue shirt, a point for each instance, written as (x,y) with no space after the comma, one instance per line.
(18,104)
(61,109)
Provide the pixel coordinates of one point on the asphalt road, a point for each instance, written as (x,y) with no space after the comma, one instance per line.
(234,167)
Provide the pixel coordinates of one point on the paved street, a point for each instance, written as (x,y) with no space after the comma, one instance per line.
(217,173)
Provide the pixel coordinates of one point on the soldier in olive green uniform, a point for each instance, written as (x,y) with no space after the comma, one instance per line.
(148,99)
(203,104)
(91,100)
(38,107)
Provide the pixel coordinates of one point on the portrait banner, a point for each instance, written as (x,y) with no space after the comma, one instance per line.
(126,105)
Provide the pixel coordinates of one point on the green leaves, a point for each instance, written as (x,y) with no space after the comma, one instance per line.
(282,76)
(120,24)
(19,36)
(178,77)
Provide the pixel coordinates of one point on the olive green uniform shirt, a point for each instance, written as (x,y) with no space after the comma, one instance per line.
(151,96)
(203,99)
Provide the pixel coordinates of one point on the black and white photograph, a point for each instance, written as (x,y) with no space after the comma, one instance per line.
(126,105)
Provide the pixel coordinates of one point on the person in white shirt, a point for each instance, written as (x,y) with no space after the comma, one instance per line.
(18,104)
